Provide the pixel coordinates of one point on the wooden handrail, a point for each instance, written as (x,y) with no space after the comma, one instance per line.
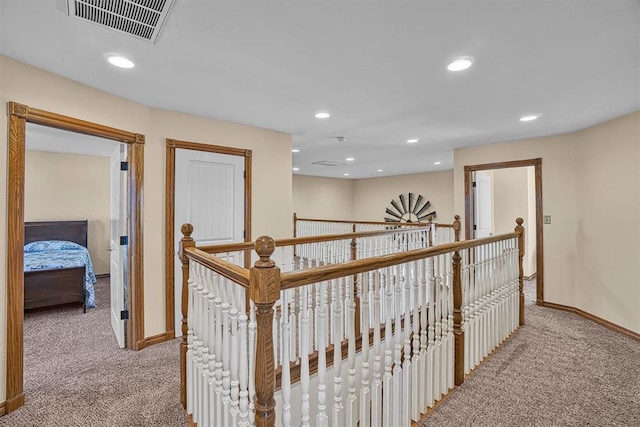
(343,236)
(295,279)
(344,221)
(233,272)
(227,247)
(265,283)
(247,246)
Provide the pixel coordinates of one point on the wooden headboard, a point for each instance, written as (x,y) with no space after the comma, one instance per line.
(72,231)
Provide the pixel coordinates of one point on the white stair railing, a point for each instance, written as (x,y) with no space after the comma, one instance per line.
(414,316)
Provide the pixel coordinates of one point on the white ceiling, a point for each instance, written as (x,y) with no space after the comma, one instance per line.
(43,138)
(378,67)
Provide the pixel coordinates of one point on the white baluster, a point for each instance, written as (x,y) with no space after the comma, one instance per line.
(415,360)
(424,301)
(322,420)
(286,375)
(376,384)
(352,408)
(198,402)
(398,398)
(226,356)
(406,363)
(304,359)
(387,402)
(220,326)
(210,382)
(234,363)
(252,361)
(189,358)
(337,417)
(431,286)
(365,392)
(293,322)
(244,372)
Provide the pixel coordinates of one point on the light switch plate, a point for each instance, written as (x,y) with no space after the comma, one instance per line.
(547,219)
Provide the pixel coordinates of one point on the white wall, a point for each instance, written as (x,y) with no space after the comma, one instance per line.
(271,191)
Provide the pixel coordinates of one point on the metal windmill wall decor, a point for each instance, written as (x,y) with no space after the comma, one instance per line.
(409,208)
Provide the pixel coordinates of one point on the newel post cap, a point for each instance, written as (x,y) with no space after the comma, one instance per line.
(264,247)
(186,230)
(264,276)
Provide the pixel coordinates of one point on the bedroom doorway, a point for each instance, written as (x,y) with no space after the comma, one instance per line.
(532,170)
(19,116)
(232,165)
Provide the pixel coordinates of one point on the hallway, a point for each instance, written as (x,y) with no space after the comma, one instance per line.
(559,369)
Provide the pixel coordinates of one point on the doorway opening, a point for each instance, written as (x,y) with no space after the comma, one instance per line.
(19,116)
(479,198)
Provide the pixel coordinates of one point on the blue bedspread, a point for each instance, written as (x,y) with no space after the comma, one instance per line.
(50,254)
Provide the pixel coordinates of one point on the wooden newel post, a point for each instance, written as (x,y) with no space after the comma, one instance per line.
(456,228)
(520,230)
(458,333)
(264,290)
(186,242)
(295,224)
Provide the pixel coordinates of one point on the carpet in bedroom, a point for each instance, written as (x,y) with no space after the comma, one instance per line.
(75,374)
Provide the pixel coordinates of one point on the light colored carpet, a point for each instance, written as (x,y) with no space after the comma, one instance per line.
(75,374)
(558,370)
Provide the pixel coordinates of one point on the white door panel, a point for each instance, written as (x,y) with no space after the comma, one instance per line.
(209,194)
(483,205)
(118,253)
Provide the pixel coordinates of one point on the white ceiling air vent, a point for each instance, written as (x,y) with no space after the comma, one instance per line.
(328,163)
(140,18)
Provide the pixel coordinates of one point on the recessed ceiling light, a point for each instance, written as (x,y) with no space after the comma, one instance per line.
(295,150)
(412,141)
(460,64)
(378,170)
(529,117)
(296,169)
(346,174)
(349,159)
(120,61)
(437,163)
(322,115)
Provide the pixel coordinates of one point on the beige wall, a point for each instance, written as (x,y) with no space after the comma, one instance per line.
(367,199)
(69,187)
(372,196)
(272,189)
(323,198)
(607,259)
(589,179)
(512,196)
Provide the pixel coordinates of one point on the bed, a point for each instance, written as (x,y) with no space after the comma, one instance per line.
(58,268)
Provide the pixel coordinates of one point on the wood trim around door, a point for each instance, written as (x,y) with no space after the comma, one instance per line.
(169,214)
(468,210)
(19,116)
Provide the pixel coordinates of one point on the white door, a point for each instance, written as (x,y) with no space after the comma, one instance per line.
(209,194)
(118,269)
(483,205)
